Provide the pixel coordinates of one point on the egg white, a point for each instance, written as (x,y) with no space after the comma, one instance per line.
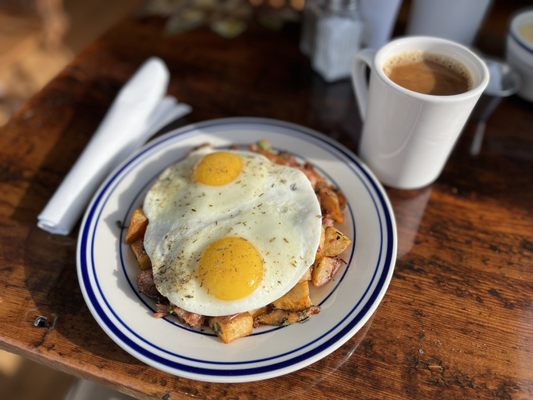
(274,207)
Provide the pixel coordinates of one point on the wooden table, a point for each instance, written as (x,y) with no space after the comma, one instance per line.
(457,320)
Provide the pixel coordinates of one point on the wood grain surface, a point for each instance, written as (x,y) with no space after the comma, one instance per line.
(457,320)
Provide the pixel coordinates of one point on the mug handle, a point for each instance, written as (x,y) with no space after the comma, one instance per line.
(363,60)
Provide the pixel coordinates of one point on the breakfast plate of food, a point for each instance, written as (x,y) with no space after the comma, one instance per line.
(236,250)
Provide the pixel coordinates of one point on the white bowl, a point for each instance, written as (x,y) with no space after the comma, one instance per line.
(520,52)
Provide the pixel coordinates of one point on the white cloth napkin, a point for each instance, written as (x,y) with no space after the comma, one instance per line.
(138,111)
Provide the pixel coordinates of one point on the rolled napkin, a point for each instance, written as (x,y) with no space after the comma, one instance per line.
(138,111)
(167,111)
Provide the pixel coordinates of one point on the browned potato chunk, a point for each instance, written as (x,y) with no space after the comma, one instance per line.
(232,327)
(320,251)
(335,242)
(297,299)
(284,317)
(324,270)
(258,311)
(329,202)
(306,276)
(140,254)
(342,199)
(137,226)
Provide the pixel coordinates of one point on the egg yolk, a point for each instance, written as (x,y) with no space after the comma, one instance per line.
(217,169)
(230,268)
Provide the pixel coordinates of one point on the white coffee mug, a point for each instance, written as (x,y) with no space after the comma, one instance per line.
(520,51)
(407,136)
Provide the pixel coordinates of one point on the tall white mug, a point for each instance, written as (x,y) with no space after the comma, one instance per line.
(407,136)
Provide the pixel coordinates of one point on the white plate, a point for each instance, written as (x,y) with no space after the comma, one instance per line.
(107,269)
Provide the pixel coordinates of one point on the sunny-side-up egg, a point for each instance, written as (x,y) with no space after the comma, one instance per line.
(230,231)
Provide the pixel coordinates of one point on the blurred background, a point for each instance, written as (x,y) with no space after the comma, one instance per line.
(39,37)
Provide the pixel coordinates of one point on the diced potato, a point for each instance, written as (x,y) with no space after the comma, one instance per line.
(335,242)
(272,317)
(324,270)
(306,276)
(137,226)
(320,251)
(297,299)
(232,327)
(140,254)
(342,198)
(258,311)
(284,317)
(329,202)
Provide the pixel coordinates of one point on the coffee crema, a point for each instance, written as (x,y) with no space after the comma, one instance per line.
(428,73)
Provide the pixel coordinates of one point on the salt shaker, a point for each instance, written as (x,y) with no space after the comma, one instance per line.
(338,35)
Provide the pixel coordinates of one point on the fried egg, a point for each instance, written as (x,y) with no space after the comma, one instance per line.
(230,231)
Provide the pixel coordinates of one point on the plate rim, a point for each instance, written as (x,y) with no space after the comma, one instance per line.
(338,339)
